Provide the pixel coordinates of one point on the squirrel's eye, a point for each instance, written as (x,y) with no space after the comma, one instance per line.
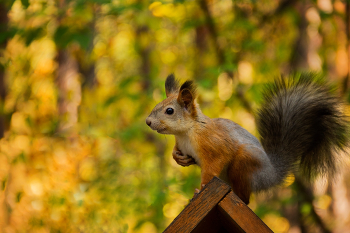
(169,111)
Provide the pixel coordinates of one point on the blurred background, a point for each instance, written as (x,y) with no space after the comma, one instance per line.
(79,77)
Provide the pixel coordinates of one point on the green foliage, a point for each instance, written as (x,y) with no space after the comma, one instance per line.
(64,35)
(6,33)
(25,3)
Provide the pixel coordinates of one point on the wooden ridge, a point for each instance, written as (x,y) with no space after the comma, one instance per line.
(216,209)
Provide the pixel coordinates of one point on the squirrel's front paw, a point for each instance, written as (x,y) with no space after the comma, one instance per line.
(183,160)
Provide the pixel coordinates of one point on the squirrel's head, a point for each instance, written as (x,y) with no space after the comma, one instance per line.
(175,114)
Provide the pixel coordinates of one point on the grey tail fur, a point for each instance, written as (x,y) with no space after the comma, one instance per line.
(302,124)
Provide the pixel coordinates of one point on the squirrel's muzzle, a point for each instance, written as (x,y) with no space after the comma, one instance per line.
(148,121)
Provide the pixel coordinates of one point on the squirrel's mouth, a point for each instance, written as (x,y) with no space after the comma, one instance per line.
(161,130)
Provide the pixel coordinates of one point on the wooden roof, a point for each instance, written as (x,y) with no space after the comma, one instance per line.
(216,209)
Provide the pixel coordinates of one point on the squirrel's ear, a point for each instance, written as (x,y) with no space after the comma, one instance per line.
(187,94)
(171,85)
(185,98)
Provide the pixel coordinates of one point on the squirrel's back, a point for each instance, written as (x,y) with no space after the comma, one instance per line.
(265,176)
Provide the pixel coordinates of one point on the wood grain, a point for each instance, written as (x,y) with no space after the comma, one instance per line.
(216,209)
(235,213)
(199,207)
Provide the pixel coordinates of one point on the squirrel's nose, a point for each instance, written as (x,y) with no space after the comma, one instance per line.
(148,122)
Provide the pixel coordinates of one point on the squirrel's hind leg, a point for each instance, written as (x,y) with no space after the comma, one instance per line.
(208,173)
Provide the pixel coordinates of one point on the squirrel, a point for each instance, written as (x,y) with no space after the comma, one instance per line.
(301,125)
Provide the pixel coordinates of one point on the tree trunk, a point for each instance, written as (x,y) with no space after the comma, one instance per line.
(3,28)
(69,90)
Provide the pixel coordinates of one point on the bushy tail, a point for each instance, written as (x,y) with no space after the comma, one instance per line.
(302,123)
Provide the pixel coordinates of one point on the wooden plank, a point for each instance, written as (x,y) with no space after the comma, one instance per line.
(236,214)
(199,207)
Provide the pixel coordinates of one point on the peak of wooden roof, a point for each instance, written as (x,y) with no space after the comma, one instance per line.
(216,209)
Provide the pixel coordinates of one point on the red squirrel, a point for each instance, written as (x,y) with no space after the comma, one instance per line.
(301,124)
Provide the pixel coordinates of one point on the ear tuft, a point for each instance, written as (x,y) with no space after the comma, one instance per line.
(189,84)
(171,85)
(187,95)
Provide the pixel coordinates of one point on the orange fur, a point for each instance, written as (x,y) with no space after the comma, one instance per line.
(240,171)
(202,140)
(218,153)
(221,156)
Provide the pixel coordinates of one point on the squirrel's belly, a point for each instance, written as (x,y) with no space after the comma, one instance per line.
(186,148)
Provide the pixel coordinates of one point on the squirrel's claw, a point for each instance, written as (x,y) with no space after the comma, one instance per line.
(197,191)
(183,160)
